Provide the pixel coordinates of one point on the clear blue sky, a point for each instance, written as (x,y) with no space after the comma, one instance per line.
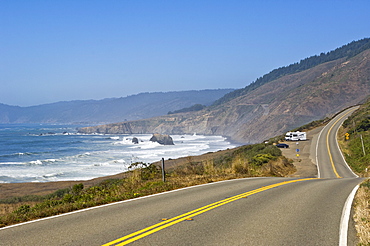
(84,49)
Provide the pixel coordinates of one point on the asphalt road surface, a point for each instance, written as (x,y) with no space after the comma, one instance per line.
(329,158)
(253,211)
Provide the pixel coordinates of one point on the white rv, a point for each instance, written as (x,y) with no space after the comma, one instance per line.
(295,136)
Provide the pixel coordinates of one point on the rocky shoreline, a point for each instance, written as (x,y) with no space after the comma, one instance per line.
(304,164)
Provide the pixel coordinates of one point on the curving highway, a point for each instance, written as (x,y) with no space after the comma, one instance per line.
(330,161)
(252,211)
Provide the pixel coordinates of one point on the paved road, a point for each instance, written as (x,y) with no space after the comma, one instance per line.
(255,211)
(331,163)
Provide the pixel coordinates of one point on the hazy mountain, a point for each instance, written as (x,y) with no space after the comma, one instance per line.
(286,98)
(140,106)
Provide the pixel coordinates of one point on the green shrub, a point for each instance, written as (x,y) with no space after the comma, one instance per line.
(77,188)
(150,172)
(24,209)
(68,198)
(366,184)
(363,125)
(261,159)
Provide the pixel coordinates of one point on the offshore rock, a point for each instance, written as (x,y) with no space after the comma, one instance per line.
(135,140)
(163,139)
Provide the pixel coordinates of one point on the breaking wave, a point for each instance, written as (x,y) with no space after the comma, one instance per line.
(62,157)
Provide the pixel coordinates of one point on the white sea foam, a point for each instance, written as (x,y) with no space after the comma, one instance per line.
(83,155)
(101,164)
(146,145)
(128,140)
(18,154)
(12,163)
(37,162)
(87,156)
(50,176)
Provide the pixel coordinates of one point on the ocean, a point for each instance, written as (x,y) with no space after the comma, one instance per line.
(44,153)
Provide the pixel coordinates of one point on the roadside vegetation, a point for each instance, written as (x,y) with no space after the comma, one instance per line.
(257,160)
(362,213)
(354,140)
(145,179)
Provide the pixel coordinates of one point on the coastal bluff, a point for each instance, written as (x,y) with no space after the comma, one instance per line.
(264,110)
(175,125)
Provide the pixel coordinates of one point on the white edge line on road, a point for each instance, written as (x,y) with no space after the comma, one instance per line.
(344,221)
(115,203)
(317,148)
(341,153)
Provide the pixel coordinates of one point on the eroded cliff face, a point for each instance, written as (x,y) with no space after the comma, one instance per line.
(271,109)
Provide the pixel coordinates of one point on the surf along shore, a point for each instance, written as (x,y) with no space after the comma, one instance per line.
(304,164)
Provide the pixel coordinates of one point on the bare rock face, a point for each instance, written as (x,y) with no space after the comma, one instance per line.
(163,139)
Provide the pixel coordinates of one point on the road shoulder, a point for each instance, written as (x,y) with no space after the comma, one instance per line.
(302,153)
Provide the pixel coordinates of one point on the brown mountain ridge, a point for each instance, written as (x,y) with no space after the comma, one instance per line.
(269,109)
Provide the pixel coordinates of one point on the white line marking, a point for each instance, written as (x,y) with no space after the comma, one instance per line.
(336,134)
(115,203)
(317,148)
(341,153)
(343,229)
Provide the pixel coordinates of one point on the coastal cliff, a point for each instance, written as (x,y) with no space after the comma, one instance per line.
(269,109)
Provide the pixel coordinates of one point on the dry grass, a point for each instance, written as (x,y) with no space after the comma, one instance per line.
(355,158)
(8,208)
(245,161)
(139,182)
(362,214)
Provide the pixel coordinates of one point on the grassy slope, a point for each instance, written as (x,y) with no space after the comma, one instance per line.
(244,161)
(356,149)
(346,51)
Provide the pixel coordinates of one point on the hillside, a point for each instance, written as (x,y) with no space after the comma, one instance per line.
(356,147)
(354,138)
(272,107)
(346,51)
(133,107)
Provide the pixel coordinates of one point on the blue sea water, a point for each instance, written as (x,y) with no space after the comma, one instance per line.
(43,153)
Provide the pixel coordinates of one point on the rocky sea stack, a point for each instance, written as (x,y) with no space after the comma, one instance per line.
(163,139)
(135,140)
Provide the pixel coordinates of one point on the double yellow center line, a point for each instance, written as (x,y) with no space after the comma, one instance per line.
(186,216)
(328,146)
(329,151)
